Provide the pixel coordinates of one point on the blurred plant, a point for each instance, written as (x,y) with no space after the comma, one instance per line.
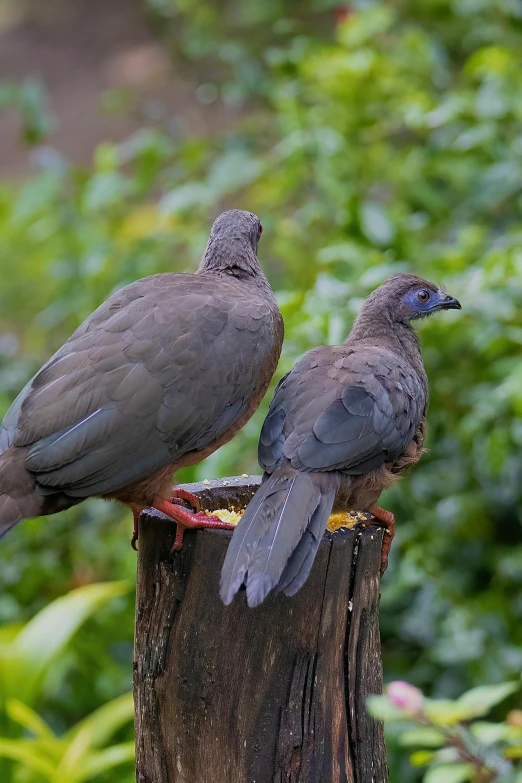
(82,754)
(226,44)
(451,742)
(30,99)
(28,654)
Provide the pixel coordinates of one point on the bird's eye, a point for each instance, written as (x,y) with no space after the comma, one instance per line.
(423,296)
(259,229)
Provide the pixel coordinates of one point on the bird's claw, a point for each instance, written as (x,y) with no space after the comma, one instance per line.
(186,519)
(135,527)
(198,521)
(387,521)
(187,498)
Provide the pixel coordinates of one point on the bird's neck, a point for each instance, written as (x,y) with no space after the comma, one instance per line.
(231,257)
(383,332)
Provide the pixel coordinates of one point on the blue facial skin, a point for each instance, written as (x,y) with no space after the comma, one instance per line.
(425,301)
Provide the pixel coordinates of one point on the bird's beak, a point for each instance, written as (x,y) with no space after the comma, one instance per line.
(449,303)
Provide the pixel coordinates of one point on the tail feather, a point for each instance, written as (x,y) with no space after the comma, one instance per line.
(252,527)
(18,498)
(276,547)
(14,510)
(280,530)
(302,558)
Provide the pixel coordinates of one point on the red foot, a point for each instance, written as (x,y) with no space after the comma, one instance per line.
(182,494)
(388,522)
(186,519)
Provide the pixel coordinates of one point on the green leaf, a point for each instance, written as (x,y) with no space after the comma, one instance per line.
(105,190)
(376,224)
(8,633)
(101,762)
(29,719)
(27,753)
(73,758)
(382,708)
(444,712)
(366,27)
(421,757)
(513,752)
(490,733)
(425,736)
(106,157)
(35,649)
(94,731)
(37,120)
(449,773)
(479,701)
(183,198)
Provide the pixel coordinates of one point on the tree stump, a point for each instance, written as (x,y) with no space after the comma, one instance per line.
(274,694)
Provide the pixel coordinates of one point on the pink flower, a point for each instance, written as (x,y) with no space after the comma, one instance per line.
(405,696)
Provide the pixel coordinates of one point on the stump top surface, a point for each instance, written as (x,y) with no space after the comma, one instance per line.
(230,492)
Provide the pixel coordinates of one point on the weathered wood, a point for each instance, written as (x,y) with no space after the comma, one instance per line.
(274,694)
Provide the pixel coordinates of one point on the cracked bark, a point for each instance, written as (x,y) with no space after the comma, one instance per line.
(274,694)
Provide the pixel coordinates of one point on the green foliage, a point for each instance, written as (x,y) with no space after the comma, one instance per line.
(386,140)
(28,655)
(232,41)
(80,755)
(26,659)
(30,100)
(452,744)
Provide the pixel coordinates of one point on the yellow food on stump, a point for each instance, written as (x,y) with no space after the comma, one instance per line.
(231,516)
(338,520)
(347,519)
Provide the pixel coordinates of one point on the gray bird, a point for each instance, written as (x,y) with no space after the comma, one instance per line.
(163,373)
(341,427)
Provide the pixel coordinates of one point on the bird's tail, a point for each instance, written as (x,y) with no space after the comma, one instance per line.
(18,499)
(13,510)
(275,543)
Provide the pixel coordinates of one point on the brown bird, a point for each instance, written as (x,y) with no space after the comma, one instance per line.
(168,369)
(341,427)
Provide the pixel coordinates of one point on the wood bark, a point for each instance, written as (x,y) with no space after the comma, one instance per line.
(274,694)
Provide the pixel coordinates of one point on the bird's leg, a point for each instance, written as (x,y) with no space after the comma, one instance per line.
(187,519)
(136,511)
(188,497)
(388,523)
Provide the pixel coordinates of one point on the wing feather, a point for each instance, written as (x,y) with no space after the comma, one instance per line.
(351,412)
(164,367)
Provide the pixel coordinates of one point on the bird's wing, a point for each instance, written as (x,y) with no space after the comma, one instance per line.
(166,371)
(116,302)
(349,411)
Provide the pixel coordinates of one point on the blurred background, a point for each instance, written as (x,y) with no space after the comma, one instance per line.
(370,138)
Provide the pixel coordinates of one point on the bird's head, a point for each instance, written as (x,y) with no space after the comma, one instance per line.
(407,297)
(236,225)
(232,245)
